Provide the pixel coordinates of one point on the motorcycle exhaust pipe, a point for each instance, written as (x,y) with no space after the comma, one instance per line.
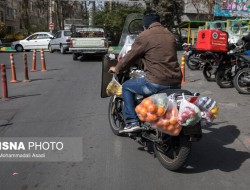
(195,60)
(246,80)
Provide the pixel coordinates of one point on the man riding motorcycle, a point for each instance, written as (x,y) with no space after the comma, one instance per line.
(156,48)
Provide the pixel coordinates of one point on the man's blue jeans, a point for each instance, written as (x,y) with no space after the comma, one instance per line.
(141,87)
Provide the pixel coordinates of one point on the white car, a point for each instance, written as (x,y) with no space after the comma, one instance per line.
(38,40)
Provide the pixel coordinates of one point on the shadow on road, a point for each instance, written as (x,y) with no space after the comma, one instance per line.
(22,96)
(90,58)
(5,125)
(211,152)
(54,69)
(32,80)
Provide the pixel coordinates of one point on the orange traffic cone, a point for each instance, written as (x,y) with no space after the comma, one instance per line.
(34,61)
(13,69)
(43,61)
(183,70)
(4,83)
(26,74)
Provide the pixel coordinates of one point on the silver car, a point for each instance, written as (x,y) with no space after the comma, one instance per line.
(60,41)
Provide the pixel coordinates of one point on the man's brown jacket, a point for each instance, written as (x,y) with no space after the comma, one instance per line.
(156,47)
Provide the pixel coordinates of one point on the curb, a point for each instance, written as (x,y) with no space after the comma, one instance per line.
(8,49)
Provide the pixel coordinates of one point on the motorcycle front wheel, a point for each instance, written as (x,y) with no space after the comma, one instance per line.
(192,61)
(116,118)
(242,81)
(174,154)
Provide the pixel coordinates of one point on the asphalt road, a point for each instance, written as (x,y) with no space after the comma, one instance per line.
(65,102)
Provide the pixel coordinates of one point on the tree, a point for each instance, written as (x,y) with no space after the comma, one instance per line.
(25,15)
(170,11)
(204,8)
(113,17)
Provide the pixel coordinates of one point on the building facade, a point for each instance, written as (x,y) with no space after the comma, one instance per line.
(27,16)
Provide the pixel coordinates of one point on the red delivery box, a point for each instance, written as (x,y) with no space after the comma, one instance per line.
(212,40)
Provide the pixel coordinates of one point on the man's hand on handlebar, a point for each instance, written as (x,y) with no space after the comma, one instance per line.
(112,69)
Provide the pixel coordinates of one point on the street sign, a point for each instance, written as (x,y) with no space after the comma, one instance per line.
(51,26)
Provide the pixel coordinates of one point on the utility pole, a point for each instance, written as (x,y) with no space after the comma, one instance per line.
(91,12)
(50,15)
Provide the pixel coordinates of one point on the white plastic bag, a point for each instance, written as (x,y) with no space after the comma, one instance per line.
(114,87)
(189,114)
(208,106)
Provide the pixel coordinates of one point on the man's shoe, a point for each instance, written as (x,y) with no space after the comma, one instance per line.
(132,127)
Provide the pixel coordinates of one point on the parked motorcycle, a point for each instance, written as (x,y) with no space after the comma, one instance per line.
(192,57)
(232,62)
(241,80)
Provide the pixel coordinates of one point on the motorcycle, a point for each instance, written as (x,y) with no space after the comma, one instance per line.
(241,80)
(233,61)
(172,151)
(192,57)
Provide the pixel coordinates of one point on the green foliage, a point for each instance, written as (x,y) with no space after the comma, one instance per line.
(3,30)
(170,12)
(13,37)
(113,18)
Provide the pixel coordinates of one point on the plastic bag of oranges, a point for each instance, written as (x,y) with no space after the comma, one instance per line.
(114,87)
(168,122)
(152,108)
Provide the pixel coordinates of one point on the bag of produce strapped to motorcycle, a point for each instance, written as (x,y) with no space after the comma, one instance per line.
(208,106)
(152,108)
(168,122)
(114,87)
(189,113)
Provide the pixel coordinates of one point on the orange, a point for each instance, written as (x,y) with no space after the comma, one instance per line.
(174,112)
(177,126)
(170,128)
(151,117)
(176,132)
(168,115)
(142,118)
(164,128)
(152,108)
(159,123)
(165,122)
(143,112)
(146,102)
(160,111)
(173,120)
(138,108)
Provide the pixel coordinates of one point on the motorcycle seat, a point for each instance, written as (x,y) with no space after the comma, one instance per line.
(245,58)
(178,92)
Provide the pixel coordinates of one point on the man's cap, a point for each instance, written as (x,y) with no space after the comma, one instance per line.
(150,16)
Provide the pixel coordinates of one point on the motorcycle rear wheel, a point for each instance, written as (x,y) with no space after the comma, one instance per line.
(224,77)
(174,155)
(116,119)
(242,86)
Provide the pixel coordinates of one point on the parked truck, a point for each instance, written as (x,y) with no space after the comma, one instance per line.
(88,40)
